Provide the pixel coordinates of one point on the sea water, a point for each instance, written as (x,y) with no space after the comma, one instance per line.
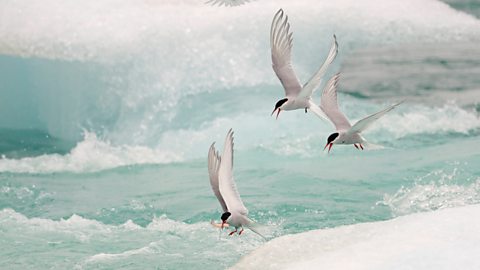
(107,110)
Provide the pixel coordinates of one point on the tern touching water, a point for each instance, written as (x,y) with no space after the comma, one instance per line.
(346,133)
(296,95)
(220,170)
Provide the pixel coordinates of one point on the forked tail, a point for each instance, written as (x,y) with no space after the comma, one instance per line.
(255,227)
(318,112)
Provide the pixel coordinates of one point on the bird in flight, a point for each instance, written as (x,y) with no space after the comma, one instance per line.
(346,133)
(227,3)
(296,95)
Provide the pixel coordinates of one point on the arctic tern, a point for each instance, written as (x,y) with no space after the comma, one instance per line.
(296,95)
(220,170)
(346,133)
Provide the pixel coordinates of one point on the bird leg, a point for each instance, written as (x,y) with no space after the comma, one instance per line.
(361,146)
(232,232)
(241,231)
(356,146)
(305,109)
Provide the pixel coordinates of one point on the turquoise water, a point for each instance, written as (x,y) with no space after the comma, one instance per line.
(107,111)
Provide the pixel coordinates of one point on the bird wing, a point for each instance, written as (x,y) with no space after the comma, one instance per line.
(364,123)
(329,104)
(255,227)
(281,46)
(213,166)
(227,3)
(316,79)
(318,112)
(227,186)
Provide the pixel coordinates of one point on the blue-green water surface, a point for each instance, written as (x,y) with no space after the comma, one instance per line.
(105,128)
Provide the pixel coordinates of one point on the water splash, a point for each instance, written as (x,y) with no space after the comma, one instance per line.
(436,190)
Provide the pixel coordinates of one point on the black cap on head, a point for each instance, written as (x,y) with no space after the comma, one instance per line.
(225,216)
(280,103)
(332,137)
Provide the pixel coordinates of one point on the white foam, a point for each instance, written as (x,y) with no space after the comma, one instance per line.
(93,154)
(80,228)
(162,238)
(436,190)
(84,229)
(418,119)
(149,249)
(89,155)
(110,29)
(149,55)
(444,239)
(425,197)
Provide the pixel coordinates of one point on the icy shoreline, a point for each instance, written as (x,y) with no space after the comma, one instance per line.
(444,239)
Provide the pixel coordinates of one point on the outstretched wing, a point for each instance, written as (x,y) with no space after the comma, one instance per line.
(329,104)
(363,124)
(316,79)
(281,46)
(318,112)
(227,186)
(227,2)
(213,166)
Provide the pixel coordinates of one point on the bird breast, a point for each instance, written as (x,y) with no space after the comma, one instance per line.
(345,138)
(294,104)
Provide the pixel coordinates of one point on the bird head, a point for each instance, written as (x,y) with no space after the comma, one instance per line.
(279,106)
(225,216)
(330,141)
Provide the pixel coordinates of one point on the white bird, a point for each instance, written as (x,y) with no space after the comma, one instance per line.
(346,133)
(296,95)
(227,3)
(220,170)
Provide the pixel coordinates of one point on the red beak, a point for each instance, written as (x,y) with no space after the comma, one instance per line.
(329,147)
(277,112)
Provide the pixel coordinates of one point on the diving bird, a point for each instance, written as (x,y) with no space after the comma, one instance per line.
(346,133)
(296,95)
(220,170)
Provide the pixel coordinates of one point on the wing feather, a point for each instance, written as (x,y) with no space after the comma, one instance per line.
(316,79)
(227,185)
(317,111)
(227,3)
(281,46)
(213,166)
(329,104)
(364,123)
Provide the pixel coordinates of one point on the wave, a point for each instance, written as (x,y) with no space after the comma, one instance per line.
(89,155)
(95,244)
(436,190)
(129,70)
(94,154)
(83,229)
(444,239)
(421,119)
(116,30)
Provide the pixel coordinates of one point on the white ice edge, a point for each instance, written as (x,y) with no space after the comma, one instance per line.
(443,239)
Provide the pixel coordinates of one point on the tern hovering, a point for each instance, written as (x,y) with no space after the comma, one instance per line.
(220,170)
(296,95)
(346,133)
